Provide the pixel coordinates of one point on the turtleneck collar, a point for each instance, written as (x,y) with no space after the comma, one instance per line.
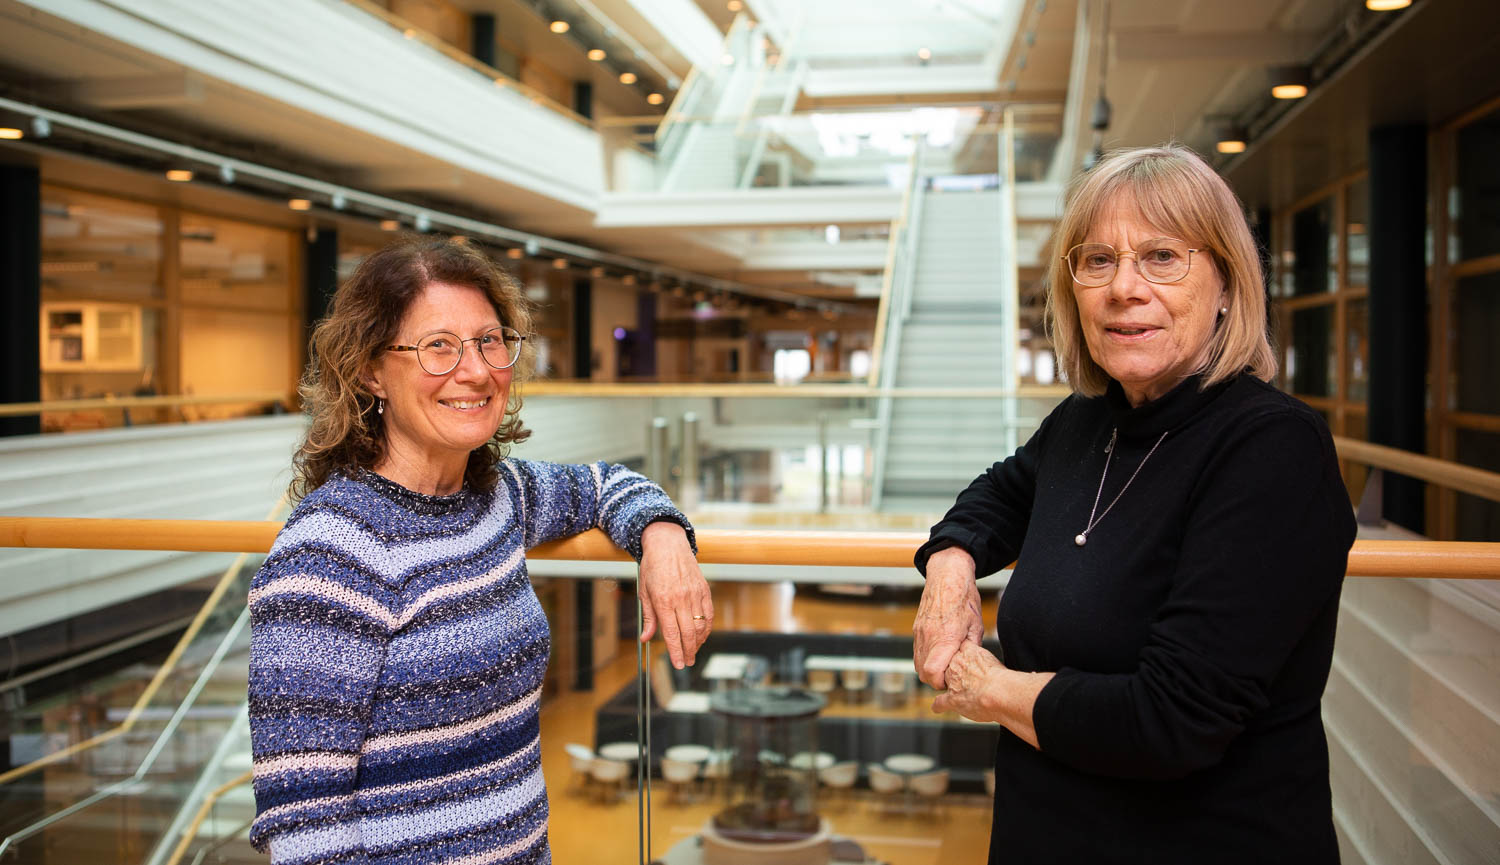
(1171,410)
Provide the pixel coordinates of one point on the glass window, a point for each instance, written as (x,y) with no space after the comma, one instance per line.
(235,264)
(1314,247)
(1478,519)
(99,247)
(1474,200)
(1311,359)
(1357,212)
(1357,349)
(1476,357)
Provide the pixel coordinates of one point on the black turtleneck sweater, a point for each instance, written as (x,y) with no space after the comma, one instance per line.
(1191,635)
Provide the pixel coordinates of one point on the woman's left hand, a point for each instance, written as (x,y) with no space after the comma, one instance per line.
(972,680)
(674,596)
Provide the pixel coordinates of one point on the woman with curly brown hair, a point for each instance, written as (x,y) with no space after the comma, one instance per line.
(397,648)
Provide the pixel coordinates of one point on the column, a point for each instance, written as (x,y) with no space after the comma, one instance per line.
(21,301)
(1398,307)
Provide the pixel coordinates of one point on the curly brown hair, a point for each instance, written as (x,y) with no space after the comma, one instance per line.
(346,432)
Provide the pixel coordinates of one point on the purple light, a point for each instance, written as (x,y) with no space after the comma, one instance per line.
(619,333)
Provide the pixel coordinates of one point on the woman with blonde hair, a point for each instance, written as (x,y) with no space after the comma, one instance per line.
(397,648)
(1180,533)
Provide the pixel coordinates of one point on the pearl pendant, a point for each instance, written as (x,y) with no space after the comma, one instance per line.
(1080,540)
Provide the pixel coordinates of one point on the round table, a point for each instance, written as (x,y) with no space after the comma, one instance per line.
(810,760)
(909,764)
(688,753)
(625,752)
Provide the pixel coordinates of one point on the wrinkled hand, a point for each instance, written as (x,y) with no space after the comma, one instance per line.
(673,592)
(971,679)
(948,616)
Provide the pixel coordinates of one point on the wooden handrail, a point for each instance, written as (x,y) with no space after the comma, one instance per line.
(780,391)
(1467,479)
(21,409)
(1370,558)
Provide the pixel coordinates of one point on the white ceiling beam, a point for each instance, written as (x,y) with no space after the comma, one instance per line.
(750,208)
(150,91)
(432,176)
(1176,46)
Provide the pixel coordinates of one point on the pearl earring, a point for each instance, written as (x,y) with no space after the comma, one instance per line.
(1223,310)
(380,406)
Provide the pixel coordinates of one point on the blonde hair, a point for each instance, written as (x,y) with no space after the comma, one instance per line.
(347,431)
(1178,193)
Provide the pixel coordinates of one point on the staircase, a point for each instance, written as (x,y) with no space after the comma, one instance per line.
(953,335)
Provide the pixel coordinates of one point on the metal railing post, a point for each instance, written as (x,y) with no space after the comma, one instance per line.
(822,462)
(656,452)
(688,490)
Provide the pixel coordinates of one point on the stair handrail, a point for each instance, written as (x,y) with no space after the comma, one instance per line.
(1450,475)
(1010,277)
(685,111)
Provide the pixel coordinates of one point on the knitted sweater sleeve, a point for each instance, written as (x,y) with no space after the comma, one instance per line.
(319,630)
(1263,558)
(560,500)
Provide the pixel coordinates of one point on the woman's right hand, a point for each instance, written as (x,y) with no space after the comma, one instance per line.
(948,615)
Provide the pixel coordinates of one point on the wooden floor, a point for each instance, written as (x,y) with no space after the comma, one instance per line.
(586,830)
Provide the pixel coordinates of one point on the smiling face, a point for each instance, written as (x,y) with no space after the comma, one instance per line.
(1147,336)
(432,422)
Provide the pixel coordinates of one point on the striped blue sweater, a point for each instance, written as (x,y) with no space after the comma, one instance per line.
(396,661)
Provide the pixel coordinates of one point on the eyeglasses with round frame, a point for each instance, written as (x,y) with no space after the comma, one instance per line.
(440,353)
(1173,267)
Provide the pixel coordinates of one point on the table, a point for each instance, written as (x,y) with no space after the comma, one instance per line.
(909,764)
(809,760)
(688,753)
(725,667)
(624,752)
(859,662)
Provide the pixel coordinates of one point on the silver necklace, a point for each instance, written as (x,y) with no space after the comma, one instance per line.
(1083,537)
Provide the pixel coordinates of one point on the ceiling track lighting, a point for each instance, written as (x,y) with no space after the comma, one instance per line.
(1290,82)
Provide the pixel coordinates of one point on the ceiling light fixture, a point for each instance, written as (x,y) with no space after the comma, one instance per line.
(597,272)
(1290,82)
(299,204)
(627,78)
(559,27)
(390,224)
(735,5)
(515,253)
(559,264)
(9,133)
(628,279)
(655,98)
(179,175)
(924,53)
(1231,138)
(597,54)
(1386,5)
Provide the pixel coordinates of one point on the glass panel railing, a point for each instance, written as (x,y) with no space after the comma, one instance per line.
(104,767)
(801,721)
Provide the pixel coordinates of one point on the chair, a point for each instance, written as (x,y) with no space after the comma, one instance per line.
(609,777)
(887,785)
(821,682)
(856,683)
(716,769)
(890,687)
(664,691)
(930,787)
(582,758)
(989,782)
(840,776)
(679,775)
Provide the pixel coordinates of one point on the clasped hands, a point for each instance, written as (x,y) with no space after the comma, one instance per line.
(948,655)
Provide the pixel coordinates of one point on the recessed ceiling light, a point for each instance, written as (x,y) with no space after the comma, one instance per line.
(559,26)
(1290,82)
(299,204)
(9,134)
(1230,146)
(1386,5)
(559,264)
(597,54)
(924,53)
(628,279)
(735,5)
(515,253)
(409,33)
(596,272)
(179,175)
(655,98)
(627,78)
(389,224)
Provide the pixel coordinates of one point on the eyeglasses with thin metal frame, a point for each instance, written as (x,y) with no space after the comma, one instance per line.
(440,353)
(1160,260)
